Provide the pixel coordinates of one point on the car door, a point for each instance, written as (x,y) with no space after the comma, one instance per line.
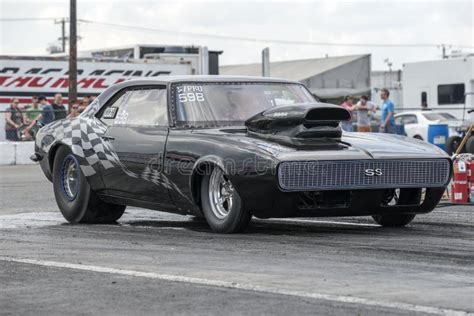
(137,120)
(410,122)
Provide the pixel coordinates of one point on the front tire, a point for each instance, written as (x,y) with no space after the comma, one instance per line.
(75,199)
(393,220)
(453,143)
(470,145)
(221,204)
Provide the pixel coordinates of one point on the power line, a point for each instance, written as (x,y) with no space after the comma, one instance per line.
(241,38)
(265,40)
(28,19)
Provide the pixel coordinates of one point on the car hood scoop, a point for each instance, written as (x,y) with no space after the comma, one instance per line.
(298,122)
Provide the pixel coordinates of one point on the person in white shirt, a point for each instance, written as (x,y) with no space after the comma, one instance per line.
(363,109)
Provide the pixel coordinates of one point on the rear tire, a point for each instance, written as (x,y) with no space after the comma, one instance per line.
(75,199)
(221,204)
(393,220)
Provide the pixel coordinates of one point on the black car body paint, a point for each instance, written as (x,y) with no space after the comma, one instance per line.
(160,167)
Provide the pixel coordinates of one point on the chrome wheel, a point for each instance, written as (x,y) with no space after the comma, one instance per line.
(221,194)
(70,177)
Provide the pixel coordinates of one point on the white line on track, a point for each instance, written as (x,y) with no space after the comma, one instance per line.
(310,221)
(242,286)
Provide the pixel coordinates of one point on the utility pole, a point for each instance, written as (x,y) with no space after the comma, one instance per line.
(63,37)
(443,50)
(389,64)
(72,97)
(266,62)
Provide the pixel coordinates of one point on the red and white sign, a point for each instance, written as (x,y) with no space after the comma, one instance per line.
(27,77)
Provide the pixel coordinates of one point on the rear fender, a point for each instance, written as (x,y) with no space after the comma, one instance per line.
(82,136)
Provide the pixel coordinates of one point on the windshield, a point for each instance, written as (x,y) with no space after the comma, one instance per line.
(225,104)
(439,116)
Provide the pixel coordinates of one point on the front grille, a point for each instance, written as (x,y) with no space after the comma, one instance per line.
(343,174)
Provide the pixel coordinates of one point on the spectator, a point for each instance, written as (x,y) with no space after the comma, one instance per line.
(13,121)
(84,104)
(33,111)
(74,111)
(60,111)
(363,108)
(46,116)
(348,105)
(387,123)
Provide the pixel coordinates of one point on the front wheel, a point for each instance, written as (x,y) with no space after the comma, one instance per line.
(393,220)
(221,204)
(453,143)
(470,145)
(75,199)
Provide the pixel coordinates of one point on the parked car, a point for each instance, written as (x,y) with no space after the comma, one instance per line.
(416,125)
(229,148)
(416,122)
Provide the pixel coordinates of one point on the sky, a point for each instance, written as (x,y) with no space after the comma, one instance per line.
(342,22)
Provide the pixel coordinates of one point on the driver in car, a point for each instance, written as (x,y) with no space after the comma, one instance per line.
(242,105)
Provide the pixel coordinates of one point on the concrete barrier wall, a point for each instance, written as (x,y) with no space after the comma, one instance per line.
(16,153)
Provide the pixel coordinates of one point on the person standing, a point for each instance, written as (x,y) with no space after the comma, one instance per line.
(74,111)
(387,123)
(30,116)
(84,104)
(60,111)
(33,111)
(13,121)
(349,106)
(46,116)
(363,108)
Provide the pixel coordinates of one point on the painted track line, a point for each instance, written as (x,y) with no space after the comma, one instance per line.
(316,221)
(241,286)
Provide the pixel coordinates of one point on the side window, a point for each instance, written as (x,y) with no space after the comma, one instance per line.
(399,120)
(410,119)
(451,94)
(108,114)
(138,107)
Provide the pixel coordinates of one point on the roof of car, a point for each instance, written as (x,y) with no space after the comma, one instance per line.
(420,112)
(164,80)
(204,78)
(408,112)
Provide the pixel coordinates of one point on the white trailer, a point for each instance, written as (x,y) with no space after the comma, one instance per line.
(445,85)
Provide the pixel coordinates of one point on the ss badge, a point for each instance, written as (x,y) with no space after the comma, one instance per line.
(373,172)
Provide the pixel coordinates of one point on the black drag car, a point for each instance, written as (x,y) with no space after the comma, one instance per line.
(229,148)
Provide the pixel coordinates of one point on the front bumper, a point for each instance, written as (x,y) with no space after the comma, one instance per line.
(262,196)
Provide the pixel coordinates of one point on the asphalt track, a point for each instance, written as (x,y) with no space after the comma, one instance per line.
(156,263)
